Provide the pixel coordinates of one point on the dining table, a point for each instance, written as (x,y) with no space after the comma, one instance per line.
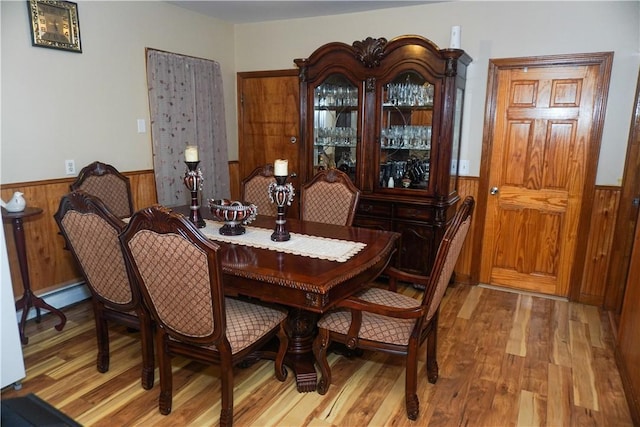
(319,266)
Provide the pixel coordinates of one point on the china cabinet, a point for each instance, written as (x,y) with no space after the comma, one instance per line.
(389,114)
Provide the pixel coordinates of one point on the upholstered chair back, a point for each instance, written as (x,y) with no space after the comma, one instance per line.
(255,187)
(185,310)
(91,231)
(330,197)
(105,182)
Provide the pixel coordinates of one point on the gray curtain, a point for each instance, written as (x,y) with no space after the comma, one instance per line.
(187,108)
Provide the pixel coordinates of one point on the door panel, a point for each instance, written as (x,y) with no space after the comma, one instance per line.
(269,122)
(539,153)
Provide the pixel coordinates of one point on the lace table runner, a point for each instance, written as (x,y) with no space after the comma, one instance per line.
(299,244)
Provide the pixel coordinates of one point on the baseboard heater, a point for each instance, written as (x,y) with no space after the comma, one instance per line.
(60,298)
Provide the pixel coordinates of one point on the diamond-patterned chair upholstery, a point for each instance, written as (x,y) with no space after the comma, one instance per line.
(105,182)
(330,197)
(254,189)
(180,278)
(383,320)
(91,232)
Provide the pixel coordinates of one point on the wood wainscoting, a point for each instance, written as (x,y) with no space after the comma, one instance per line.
(51,267)
(599,245)
(468,186)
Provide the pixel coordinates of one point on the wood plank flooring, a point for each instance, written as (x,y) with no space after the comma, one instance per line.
(506,359)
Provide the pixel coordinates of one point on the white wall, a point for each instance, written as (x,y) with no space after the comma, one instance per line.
(489,30)
(59,105)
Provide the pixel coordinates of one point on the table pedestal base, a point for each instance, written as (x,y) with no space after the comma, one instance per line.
(301,326)
(302,365)
(304,370)
(299,359)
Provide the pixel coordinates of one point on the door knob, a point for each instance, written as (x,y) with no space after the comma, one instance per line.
(494,191)
(293,140)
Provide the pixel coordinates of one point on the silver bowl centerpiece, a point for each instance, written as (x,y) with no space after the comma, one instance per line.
(234,214)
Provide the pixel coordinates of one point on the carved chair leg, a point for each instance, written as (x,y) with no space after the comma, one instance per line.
(166,379)
(320,345)
(393,284)
(102,335)
(148,362)
(411,385)
(226,417)
(281,371)
(432,361)
(226,378)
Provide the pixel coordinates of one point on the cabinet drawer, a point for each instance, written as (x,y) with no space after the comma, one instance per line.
(376,209)
(373,223)
(416,213)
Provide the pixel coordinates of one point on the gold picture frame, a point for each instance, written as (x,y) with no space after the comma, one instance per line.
(54,24)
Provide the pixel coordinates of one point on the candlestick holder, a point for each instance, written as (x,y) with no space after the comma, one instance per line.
(193,181)
(281,193)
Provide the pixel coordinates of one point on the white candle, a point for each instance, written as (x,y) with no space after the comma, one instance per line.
(280,167)
(455,37)
(191,153)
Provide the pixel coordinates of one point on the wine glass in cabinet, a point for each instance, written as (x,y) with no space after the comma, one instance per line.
(406,132)
(335,125)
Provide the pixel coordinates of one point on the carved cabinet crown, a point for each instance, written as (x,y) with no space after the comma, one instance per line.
(370,51)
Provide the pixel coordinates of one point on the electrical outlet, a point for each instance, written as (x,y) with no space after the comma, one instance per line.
(70,167)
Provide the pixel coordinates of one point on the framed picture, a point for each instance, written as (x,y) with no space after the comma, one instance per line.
(54,24)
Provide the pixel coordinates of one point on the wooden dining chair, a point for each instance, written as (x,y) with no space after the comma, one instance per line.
(330,197)
(91,231)
(104,181)
(254,189)
(382,320)
(179,273)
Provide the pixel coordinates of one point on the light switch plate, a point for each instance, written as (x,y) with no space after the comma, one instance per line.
(142,127)
(464,167)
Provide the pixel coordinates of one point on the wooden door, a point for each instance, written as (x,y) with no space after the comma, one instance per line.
(542,162)
(269,122)
(626,217)
(628,338)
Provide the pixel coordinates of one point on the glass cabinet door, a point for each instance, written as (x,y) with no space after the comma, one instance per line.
(455,143)
(335,125)
(406,132)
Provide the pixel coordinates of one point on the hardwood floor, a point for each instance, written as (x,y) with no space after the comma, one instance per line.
(505,359)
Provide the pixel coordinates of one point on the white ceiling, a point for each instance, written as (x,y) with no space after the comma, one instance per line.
(241,11)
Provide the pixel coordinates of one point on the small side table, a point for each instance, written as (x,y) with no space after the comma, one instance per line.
(29,299)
